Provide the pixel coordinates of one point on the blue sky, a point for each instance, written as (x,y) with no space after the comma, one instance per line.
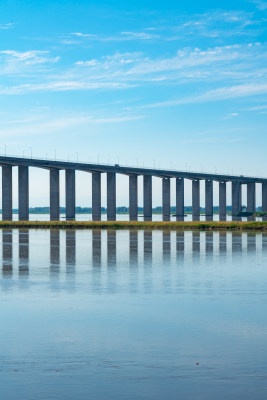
(149,83)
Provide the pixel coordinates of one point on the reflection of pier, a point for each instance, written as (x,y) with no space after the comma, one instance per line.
(7,253)
(24,252)
(54,253)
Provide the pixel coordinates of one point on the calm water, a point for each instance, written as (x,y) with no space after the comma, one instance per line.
(125,217)
(133,315)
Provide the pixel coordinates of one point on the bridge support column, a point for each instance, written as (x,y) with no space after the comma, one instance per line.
(195,200)
(147,192)
(166,199)
(251,197)
(7,193)
(264,196)
(96,196)
(70,194)
(236,198)
(54,195)
(23,193)
(222,201)
(209,199)
(111,196)
(133,198)
(179,199)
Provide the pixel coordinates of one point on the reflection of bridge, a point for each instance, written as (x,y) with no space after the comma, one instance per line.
(107,249)
(96,170)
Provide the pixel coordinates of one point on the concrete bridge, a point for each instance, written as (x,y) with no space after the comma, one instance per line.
(96,170)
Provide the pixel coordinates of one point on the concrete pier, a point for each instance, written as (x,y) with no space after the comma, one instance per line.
(70,194)
(54,195)
(179,199)
(133,198)
(236,198)
(264,196)
(147,192)
(166,199)
(96,196)
(251,197)
(23,193)
(195,200)
(111,196)
(7,193)
(209,199)
(222,201)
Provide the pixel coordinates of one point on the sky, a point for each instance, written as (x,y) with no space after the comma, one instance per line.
(145,83)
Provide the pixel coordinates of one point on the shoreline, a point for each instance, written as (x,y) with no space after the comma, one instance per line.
(142,225)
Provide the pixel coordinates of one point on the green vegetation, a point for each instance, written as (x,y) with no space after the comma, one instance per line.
(204,226)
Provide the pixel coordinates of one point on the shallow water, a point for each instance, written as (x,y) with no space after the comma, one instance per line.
(127,315)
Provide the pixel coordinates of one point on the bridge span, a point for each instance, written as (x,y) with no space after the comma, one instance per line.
(133,173)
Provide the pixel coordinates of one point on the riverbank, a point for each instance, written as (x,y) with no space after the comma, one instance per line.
(197,225)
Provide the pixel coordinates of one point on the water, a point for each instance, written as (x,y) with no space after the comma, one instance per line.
(125,217)
(133,315)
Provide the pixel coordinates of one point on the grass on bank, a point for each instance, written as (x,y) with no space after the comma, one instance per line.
(171,225)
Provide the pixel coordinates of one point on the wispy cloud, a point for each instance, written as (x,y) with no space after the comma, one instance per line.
(60,86)
(39,124)
(121,36)
(17,63)
(225,62)
(261,5)
(7,26)
(223,93)
(27,57)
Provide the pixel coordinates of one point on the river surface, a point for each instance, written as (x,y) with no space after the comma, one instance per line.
(125,217)
(133,315)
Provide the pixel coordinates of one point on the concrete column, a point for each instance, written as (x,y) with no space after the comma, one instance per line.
(133,198)
(111,196)
(195,199)
(96,196)
(23,193)
(222,201)
(54,194)
(251,197)
(147,192)
(179,199)
(209,198)
(7,193)
(236,198)
(70,194)
(166,199)
(264,196)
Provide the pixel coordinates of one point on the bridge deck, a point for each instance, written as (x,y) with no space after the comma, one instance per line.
(88,167)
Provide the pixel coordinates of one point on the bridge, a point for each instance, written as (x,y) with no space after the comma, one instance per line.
(133,173)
